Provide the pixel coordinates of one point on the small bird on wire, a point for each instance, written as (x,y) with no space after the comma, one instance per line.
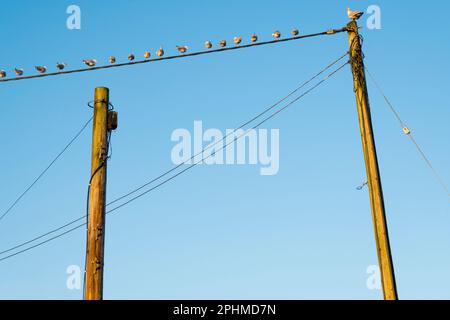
(295,32)
(90,62)
(237,40)
(147,54)
(18,72)
(208,44)
(112,59)
(276,34)
(61,66)
(182,49)
(223,43)
(160,52)
(354,15)
(254,38)
(2,73)
(41,69)
(131,57)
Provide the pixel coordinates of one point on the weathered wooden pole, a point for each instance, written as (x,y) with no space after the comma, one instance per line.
(371,161)
(97,198)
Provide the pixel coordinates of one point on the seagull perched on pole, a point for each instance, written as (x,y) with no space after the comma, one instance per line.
(90,62)
(41,69)
(354,15)
(182,49)
(61,66)
(2,73)
(18,72)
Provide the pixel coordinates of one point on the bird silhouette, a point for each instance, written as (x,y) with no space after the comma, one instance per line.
(354,15)
(237,40)
(41,69)
(18,72)
(147,54)
(208,44)
(254,38)
(112,59)
(276,34)
(160,52)
(223,43)
(182,49)
(2,73)
(90,62)
(295,32)
(61,66)
(131,57)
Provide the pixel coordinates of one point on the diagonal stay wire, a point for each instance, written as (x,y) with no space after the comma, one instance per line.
(230,133)
(5,213)
(160,184)
(427,160)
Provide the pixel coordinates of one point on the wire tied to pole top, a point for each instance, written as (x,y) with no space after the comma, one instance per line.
(92,103)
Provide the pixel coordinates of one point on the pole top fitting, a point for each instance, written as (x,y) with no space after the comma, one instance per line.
(352,26)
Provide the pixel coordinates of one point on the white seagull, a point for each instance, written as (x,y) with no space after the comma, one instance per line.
(160,52)
(41,69)
(61,66)
(90,62)
(182,49)
(18,72)
(208,44)
(354,15)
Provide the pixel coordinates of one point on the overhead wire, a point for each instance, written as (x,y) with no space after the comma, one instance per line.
(408,132)
(157,186)
(181,56)
(41,175)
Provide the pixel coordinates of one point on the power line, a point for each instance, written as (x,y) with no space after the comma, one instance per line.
(160,184)
(328,32)
(42,243)
(192,158)
(232,132)
(226,145)
(407,131)
(45,170)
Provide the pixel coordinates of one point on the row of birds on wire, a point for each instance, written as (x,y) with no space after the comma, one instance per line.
(353,15)
(147,54)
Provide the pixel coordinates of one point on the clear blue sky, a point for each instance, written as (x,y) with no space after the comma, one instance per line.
(225,231)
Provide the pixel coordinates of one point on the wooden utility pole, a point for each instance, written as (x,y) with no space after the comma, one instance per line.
(370,156)
(97,195)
